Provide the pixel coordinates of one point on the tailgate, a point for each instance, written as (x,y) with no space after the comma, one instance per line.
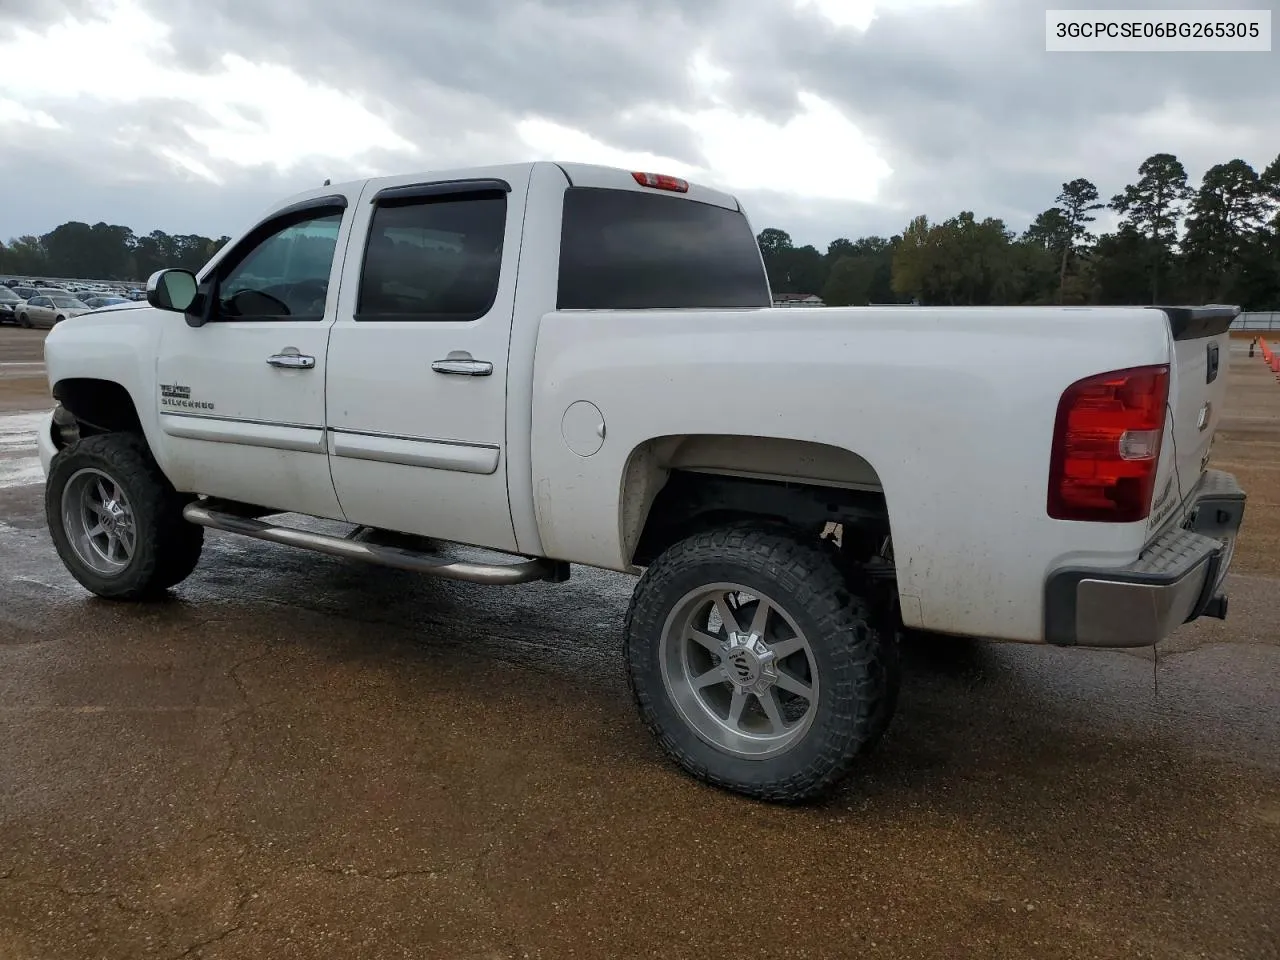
(1197,390)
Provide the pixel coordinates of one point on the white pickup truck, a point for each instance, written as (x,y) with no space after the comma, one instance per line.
(570,364)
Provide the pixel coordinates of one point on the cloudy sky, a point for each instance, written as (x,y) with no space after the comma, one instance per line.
(829,117)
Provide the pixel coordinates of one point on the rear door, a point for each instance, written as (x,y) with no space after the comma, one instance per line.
(1197,389)
(418,357)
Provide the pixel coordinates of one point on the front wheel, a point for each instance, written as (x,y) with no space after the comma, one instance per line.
(753,664)
(115,520)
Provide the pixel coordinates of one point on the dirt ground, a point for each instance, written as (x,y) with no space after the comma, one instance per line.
(296,757)
(1248,444)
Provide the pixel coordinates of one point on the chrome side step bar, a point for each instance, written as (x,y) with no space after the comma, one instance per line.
(232,519)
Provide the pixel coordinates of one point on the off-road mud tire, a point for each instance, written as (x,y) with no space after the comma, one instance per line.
(167,546)
(857,666)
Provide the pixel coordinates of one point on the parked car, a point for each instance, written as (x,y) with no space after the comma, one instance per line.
(46,310)
(99,301)
(9,302)
(568,364)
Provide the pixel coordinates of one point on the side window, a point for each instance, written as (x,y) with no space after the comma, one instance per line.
(39,301)
(285,275)
(433,258)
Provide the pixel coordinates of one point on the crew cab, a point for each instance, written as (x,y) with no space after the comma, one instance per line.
(567,364)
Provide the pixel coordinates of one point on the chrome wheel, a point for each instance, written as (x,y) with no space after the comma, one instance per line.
(739,670)
(98,521)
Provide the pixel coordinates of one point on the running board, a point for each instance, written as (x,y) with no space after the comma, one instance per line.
(206,513)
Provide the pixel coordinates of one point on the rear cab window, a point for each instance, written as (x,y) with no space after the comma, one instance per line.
(627,250)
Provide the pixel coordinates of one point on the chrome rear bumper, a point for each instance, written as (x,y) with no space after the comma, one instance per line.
(1178,578)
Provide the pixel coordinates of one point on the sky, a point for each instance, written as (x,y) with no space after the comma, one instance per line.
(827,118)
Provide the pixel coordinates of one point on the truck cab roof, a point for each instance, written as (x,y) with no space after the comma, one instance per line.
(576,174)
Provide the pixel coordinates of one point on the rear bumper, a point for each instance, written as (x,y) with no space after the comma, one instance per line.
(1177,579)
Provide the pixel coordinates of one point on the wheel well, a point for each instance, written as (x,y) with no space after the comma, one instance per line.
(676,485)
(97,406)
(691,502)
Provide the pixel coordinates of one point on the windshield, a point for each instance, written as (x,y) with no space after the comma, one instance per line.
(69,302)
(8,296)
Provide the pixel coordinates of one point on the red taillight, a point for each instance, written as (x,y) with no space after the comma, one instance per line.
(660,181)
(1106,446)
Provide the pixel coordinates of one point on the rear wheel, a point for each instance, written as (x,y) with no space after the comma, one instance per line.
(24,321)
(754,665)
(115,520)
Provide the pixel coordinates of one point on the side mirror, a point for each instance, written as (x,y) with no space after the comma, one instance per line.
(172,290)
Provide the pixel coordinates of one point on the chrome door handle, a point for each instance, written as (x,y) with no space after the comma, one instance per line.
(463,368)
(297,361)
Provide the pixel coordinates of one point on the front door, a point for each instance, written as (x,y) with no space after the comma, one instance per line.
(418,359)
(241,398)
(39,311)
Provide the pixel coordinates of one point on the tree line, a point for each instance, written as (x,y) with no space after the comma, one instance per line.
(1218,242)
(104,252)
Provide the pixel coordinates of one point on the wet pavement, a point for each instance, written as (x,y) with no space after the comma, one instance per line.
(297,757)
(22,379)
